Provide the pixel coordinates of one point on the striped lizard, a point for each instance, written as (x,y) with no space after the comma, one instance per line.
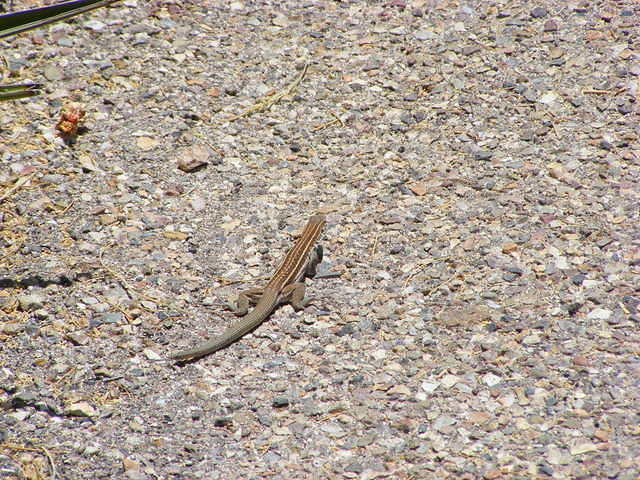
(285,286)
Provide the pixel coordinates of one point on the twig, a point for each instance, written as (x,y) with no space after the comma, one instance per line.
(19,183)
(53,465)
(131,290)
(35,449)
(71,371)
(554,119)
(231,281)
(204,139)
(267,102)
(624,308)
(328,416)
(67,208)
(111,303)
(324,125)
(337,118)
(442,284)
(419,268)
(414,272)
(11,252)
(597,91)
(375,246)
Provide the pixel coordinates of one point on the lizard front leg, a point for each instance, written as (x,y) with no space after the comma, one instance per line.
(314,259)
(294,294)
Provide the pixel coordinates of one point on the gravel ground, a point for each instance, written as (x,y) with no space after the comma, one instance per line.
(477,312)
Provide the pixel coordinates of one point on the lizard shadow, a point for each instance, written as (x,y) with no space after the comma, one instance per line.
(35,281)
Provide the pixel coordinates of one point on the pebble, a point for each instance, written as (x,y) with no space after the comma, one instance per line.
(449,381)
(151,355)
(23,399)
(533,339)
(548,98)
(483,155)
(80,409)
(491,380)
(333,430)
(78,338)
(198,203)
(193,158)
(398,31)
(427,340)
(625,108)
(479,417)
(53,73)
(415,347)
(64,42)
(95,25)
(530,95)
(599,314)
(222,421)
(105,318)
(578,279)
(581,361)
(399,390)
(429,387)
(30,302)
(280,402)
(49,407)
(425,34)
(539,12)
(582,448)
(442,422)
(11,328)
(19,416)
(146,144)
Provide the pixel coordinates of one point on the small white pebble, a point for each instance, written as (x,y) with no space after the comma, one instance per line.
(151,355)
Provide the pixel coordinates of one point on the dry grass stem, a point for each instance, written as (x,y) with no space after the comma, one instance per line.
(267,102)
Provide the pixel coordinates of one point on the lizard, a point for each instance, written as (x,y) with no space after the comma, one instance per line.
(285,285)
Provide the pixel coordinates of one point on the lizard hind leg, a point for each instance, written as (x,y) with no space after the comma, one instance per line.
(245,299)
